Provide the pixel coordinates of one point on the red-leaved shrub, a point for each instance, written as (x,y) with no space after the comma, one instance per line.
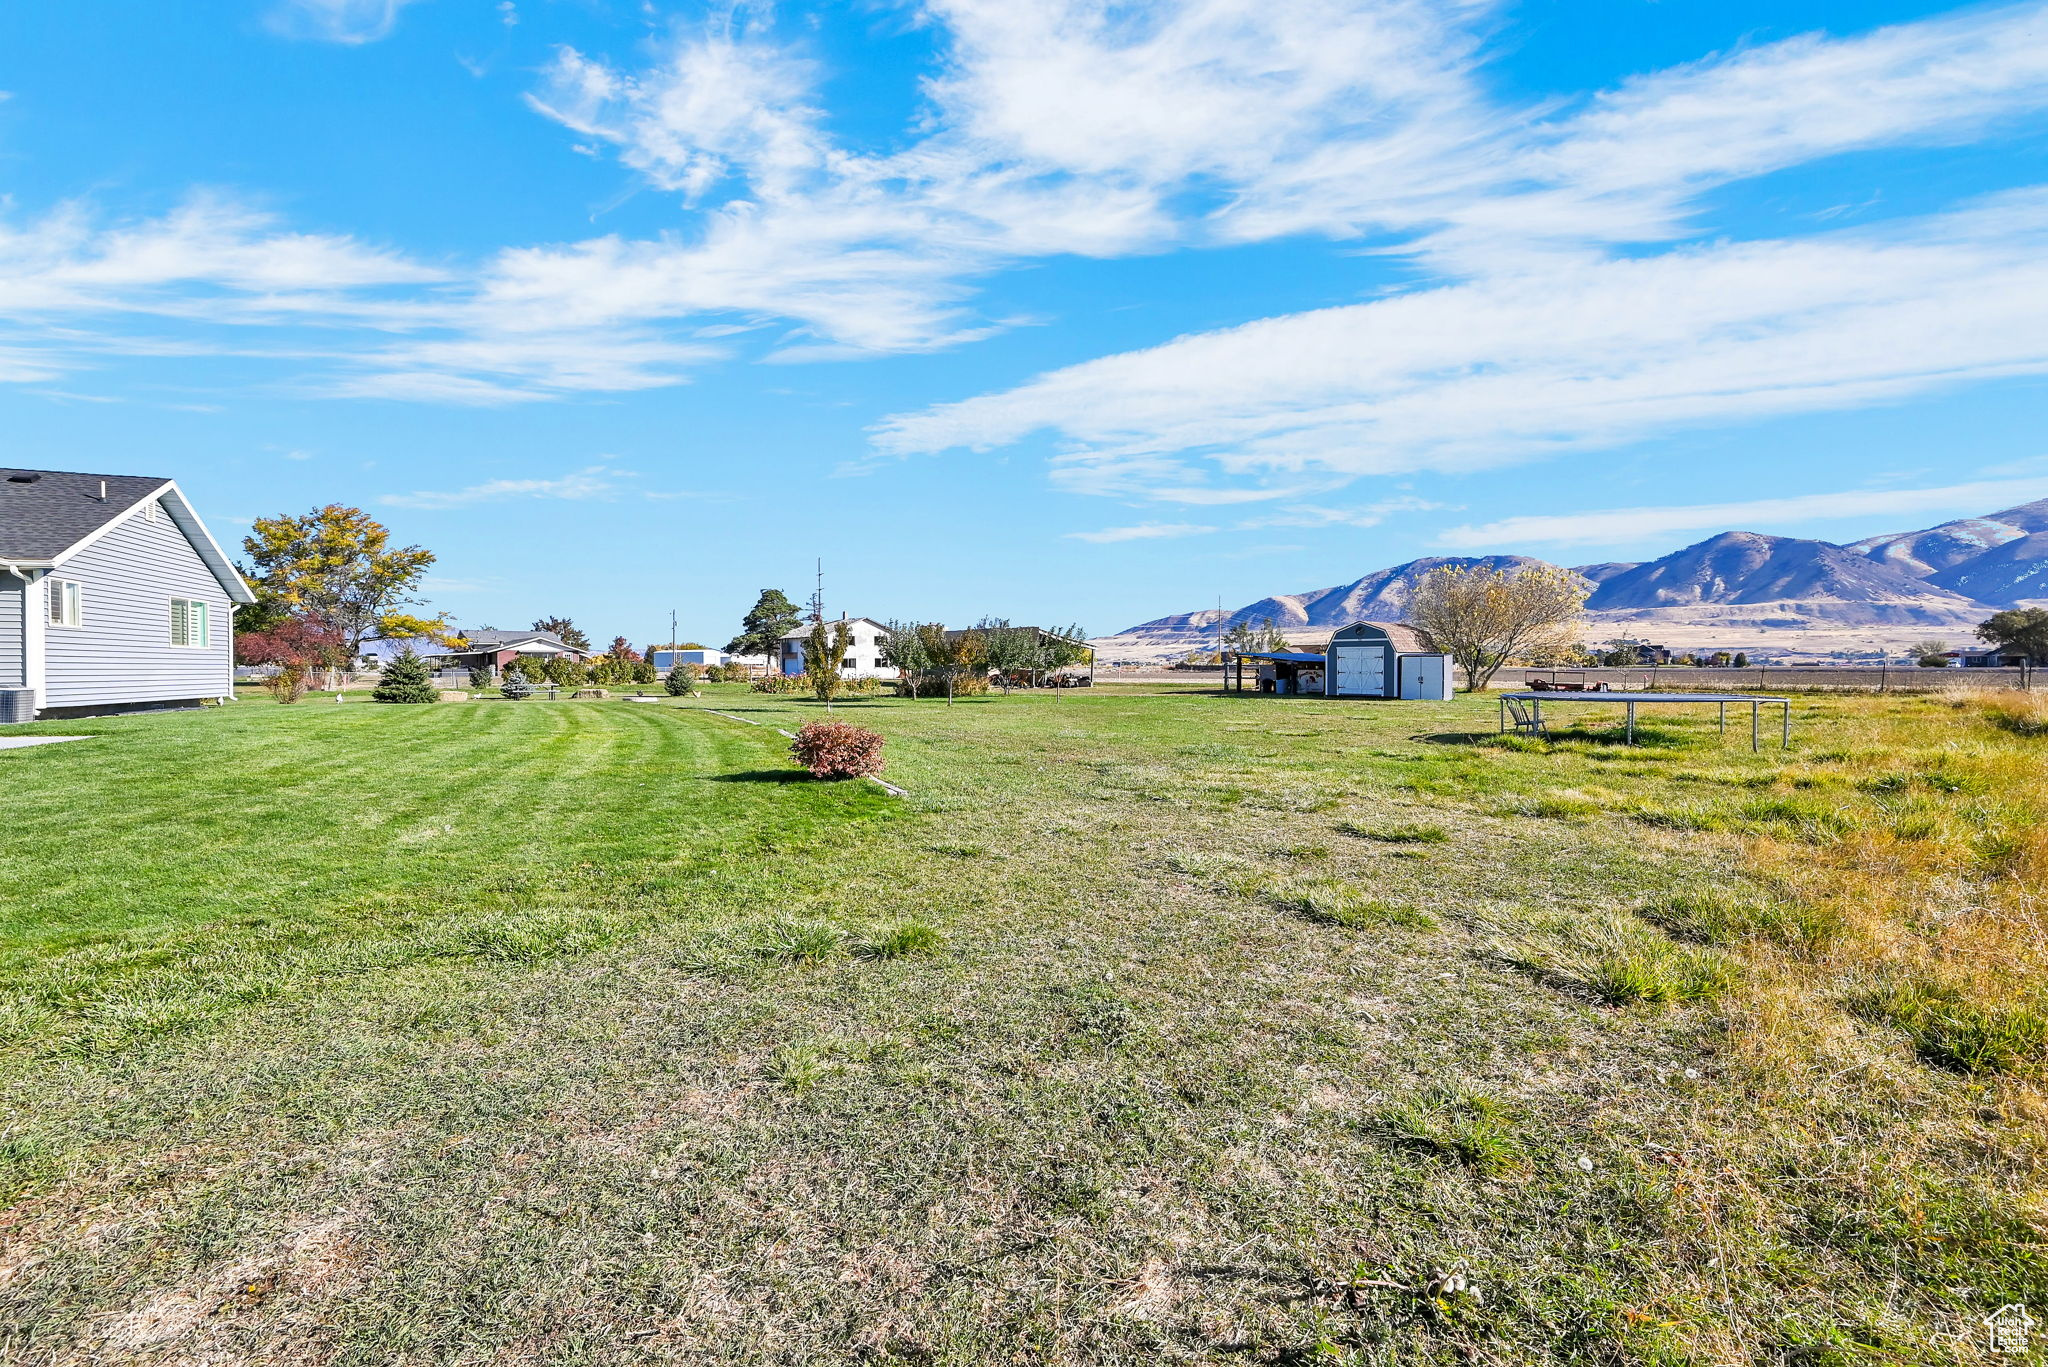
(837,749)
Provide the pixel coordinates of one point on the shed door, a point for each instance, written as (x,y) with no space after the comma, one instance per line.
(1421,676)
(1361,671)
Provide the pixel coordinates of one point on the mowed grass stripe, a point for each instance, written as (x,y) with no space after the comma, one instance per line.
(359,838)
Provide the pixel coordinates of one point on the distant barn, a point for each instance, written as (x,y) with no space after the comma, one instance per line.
(1363,660)
(1385,660)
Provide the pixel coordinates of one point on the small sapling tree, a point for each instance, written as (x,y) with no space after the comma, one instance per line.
(406,680)
(288,684)
(681,681)
(824,654)
(515,685)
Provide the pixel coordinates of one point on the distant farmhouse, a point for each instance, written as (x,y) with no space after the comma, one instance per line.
(489,651)
(863,651)
(113,595)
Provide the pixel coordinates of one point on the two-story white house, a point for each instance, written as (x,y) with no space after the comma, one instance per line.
(113,595)
(863,649)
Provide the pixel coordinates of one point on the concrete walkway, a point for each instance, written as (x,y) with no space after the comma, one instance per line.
(23,742)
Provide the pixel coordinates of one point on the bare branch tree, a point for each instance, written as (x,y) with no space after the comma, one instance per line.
(1481,618)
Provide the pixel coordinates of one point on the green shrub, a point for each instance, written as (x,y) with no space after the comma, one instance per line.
(406,681)
(781,683)
(681,680)
(516,686)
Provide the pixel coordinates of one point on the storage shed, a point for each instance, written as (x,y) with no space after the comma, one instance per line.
(1386,660)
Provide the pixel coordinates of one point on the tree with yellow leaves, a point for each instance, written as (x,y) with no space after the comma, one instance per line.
(336,566)
(1483,617)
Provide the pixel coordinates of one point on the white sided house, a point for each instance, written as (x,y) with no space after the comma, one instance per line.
(863,650)
(113,596)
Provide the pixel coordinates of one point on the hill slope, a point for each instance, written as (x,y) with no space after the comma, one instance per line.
(2007,575)
(1951,575)
(1380,596)
(1787,576)
(1924,554)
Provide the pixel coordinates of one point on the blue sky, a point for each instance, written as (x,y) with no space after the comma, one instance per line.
(1051,309)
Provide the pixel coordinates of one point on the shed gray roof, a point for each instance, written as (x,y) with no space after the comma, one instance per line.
(44,513)
(1406,639)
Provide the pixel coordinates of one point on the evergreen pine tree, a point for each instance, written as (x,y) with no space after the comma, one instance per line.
(766,623)
(516,686)
(681,680)
(406,680)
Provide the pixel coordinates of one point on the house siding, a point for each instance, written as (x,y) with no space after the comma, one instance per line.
(13,637)
(122,652)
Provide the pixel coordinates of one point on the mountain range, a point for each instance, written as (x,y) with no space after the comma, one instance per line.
(1949,576)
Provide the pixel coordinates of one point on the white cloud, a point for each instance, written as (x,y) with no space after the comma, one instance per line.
(335,21)
(1575,355)
(1628,167)
(1097,128)
(1148,531)
(1623,525)
(1063,127)
(595,482)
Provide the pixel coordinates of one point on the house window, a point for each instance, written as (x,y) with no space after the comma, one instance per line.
(67,603)
(188,622)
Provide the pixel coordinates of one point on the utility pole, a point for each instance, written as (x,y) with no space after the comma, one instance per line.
(818,597)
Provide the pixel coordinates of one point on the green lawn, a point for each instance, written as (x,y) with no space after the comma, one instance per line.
(1151,1026)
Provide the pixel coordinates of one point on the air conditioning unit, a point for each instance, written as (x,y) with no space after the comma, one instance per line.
(17,705)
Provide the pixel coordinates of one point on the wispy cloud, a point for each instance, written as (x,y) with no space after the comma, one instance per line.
(1061,128)
(1144,531)
(594,482)
(1570,356)
(1625,525)
(335,21)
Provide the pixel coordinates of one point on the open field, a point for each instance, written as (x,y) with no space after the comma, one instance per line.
(1152,1026)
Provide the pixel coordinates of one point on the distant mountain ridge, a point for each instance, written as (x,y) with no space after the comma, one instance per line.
(1951,575)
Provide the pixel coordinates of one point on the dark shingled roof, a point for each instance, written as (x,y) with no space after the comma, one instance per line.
(44,513)
(503,638)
